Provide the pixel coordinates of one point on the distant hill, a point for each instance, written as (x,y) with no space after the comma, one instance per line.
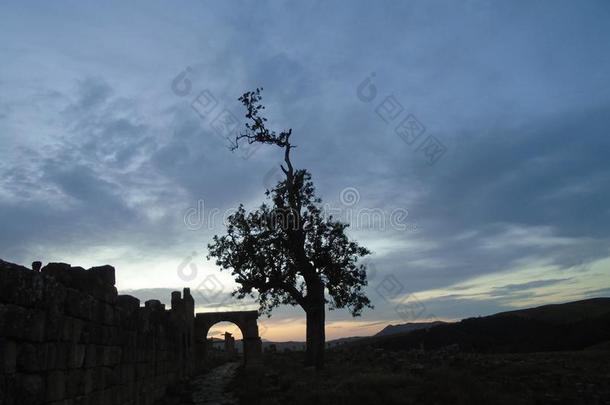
(570,326)
(407,327)
(564,313)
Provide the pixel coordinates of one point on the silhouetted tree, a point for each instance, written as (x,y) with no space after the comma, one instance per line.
(286,251)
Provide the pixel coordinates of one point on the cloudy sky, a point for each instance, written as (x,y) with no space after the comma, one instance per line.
(466,142)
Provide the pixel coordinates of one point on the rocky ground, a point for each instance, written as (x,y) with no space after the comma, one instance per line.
(374,376)
(211,388)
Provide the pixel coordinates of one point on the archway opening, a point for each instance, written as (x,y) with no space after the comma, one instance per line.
(247,340)
(224,343)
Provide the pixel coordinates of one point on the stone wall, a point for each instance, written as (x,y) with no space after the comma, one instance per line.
(67,337)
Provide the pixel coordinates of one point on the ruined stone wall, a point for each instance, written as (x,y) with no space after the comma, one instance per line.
(67,337)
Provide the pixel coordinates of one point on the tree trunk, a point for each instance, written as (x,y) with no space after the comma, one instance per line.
(316,337)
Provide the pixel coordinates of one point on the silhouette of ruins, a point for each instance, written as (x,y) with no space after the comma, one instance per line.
(67,335)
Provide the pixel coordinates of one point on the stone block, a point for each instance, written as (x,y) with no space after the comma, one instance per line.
(128,373)
(128,303)
(14,279)
(61,355)
(99,382)
(80,400)
(7,389)
(109,335)
(50,350)
(56,386)
(72,329)
(91,356)
(106,274)
(92,333)
(111,376)
(31,358)
(141,371)
(76,355)
(29,388)
(21,323)
(88,381)
(154,305)
(129,354)
(54,324)
(34,326)
(97,398)
(12,320)
(74,302)
(74,382)
(60,272)
(88,305)
(116,353)
(8,356)
(106,314)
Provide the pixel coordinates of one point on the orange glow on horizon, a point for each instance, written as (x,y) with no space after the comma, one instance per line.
(293,329)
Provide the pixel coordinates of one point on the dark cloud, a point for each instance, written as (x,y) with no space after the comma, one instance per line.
(98,151)
(520,288)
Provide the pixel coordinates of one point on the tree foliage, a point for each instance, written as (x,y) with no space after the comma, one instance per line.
(287,251)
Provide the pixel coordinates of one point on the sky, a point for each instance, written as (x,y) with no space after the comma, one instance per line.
(465,142)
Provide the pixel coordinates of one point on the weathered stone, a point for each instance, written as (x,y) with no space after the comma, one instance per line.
(8,356)
(114,355)
(56,386)
(106,274)
(99,382)
(51,361)
(76,355)
(73,302)
(97,398)
(7,389)
(88,381)
(92,333)
(80,400)
(12,320)
(128,373)
(72,329)
(21,323)
(74,382)
(111,376)
(61,355)
(29,388)
(106,314)
(54,322)
(90,356)
(34,325)
(31,357)
(154,305)
(15,280)
(59,271)
(67,335)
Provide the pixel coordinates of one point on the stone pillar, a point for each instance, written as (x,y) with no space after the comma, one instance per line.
(176,300)
(253,350)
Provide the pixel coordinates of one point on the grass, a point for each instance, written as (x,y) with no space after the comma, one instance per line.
(367,376)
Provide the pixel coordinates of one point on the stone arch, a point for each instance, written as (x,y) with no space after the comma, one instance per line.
(246,321)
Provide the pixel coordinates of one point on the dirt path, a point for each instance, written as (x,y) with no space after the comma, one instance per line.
(210,388)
